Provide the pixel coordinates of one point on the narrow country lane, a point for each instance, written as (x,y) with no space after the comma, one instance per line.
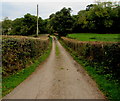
(59,77)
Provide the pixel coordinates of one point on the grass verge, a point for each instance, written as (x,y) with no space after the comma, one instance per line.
(110,89)
(9,83)
(57,50)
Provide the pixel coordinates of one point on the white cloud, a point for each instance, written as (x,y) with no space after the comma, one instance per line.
(46,0)
(18,8)
(15,9)
(0,10)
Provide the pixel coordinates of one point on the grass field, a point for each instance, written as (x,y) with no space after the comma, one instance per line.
(95,37)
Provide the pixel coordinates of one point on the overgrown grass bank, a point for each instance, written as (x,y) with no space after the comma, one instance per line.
(106,84)
(11,81)
(95,37)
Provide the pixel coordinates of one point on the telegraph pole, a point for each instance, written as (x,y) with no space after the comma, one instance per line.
(37,21)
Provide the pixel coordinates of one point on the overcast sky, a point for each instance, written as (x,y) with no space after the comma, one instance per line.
(18,8)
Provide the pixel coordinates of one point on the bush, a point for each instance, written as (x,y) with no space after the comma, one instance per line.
(104,56)
(18,52)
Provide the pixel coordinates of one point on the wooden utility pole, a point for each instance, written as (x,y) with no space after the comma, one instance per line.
(37,21)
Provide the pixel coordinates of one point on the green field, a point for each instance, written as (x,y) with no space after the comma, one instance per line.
(95,37)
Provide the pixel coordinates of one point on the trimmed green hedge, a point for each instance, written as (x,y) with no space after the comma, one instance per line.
(103,56)
(18,52)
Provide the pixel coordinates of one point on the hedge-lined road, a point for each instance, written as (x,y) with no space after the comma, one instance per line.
(59,77)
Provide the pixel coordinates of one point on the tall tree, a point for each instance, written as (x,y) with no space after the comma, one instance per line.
(62,21)
(6,26)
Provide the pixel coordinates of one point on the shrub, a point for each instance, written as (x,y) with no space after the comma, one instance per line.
(18,52)
(104,56)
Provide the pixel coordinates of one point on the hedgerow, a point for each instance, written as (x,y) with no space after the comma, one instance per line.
(18,52)
(103,56)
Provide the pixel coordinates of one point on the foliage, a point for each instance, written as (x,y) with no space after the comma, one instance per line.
(6,26)
(61,22)
(103,56)
(18,51)
(109,87)
(9,83)
(95,37)
(24,26)
(99,18)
